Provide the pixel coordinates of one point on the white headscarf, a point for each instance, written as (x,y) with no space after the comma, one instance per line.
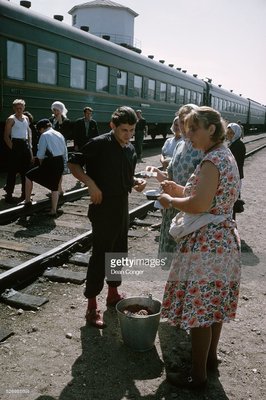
(57,105)
(237,131)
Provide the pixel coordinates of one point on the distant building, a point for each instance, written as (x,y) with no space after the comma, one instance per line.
(106,19)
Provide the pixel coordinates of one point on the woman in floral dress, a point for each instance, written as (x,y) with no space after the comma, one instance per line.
(183,163)
(203,284)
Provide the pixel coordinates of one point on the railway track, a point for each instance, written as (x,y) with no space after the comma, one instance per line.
(33,244)
(254,145)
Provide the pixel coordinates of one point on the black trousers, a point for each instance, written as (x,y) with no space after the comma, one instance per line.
(139,137)
(110,224)
(19,161)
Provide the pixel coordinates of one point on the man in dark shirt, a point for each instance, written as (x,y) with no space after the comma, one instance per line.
(110,162)
(85,129)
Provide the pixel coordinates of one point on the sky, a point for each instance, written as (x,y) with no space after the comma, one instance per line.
(224,40)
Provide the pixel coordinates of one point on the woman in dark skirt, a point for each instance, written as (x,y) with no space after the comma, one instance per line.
(238,149)
(52,157)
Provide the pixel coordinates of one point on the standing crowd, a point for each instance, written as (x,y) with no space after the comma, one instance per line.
(38,152)
(200,184)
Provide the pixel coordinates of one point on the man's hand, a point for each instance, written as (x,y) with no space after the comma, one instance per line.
(95,193)
(139,184)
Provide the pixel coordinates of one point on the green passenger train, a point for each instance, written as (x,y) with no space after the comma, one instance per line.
(43,60)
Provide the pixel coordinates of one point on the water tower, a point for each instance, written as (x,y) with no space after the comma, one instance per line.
(106,19)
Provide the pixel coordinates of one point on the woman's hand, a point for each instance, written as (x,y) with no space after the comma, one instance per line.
(172,188)
(165,200)
(160,174)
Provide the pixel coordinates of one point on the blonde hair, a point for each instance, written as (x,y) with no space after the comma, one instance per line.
(172,129)
(19,101)
(207,116)
(184,110)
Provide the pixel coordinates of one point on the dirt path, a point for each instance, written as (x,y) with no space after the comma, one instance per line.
(54,356)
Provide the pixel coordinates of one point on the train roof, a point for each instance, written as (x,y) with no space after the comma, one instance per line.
(217,90)
(256,103)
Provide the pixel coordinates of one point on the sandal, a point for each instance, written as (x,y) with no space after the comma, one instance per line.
(25,203)
(94,318)
(186,382)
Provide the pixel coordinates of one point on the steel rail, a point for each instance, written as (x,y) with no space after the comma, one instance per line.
(35,266)
(20,210)
(250,153)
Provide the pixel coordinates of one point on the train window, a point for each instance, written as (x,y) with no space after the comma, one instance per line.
(15,60)
(172,94)
(102,81)
(215,103)
(199,99)
(193,97)
(138,86)
(188,96)
(47,70)
(77,73)
(224,105)
(162,91)
(151,89)
(182,95)
(122,83)
(220,104)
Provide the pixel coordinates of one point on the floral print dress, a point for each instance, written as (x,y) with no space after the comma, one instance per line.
(203,283)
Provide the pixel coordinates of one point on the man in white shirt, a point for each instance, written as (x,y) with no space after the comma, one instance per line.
(52,157)
(17,137)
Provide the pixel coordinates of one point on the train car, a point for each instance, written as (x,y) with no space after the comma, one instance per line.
(232,106)
(43,60)
(256,116)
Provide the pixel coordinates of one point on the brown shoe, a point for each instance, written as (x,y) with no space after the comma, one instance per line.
(94,318)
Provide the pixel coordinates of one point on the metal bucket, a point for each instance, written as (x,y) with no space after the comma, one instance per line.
(139,331)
